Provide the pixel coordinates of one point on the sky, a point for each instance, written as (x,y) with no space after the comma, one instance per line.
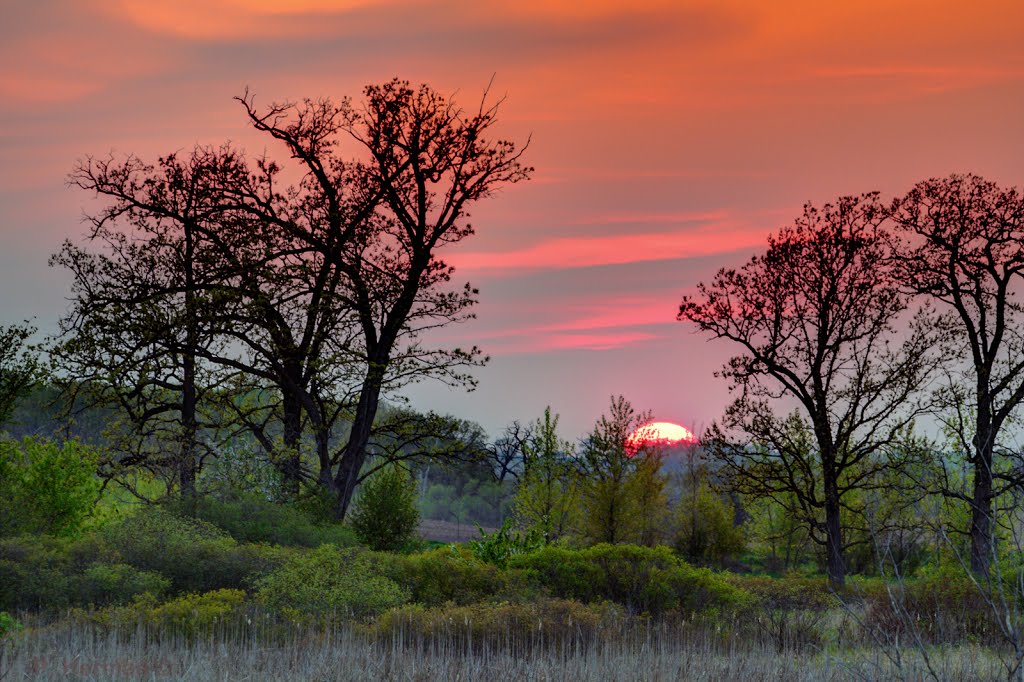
(669,138)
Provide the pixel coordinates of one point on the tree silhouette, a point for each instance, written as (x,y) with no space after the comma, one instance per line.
(429,162)
(964,247)
(319,292)
(815,318)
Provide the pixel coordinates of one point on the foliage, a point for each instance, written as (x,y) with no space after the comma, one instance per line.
(546,496)
(446,574)
(943,606)
(254,519)
(49,574)
(209,614)
(8,625)
(327,584)
(102,584)
(19,367)
(791,608)
(607,466)
(643,579)
(704,530)
(195,555)
(501,545)
(815,320)
(386,516)
(46,487)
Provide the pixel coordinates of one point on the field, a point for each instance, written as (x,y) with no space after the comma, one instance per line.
(85,653)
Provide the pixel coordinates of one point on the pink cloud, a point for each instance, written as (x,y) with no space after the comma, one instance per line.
(580,252)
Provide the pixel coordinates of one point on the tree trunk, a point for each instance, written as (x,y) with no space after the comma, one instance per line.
(187,457)
(290,465)
(354,455)
(981,498)
(836,565)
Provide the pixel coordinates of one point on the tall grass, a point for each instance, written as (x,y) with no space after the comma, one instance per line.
(247,650)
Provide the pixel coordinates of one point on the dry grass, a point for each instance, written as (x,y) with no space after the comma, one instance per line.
(85,652)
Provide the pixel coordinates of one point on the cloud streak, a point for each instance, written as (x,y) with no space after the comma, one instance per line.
(581,252)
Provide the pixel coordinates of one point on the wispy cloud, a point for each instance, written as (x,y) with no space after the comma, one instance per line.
(580,252)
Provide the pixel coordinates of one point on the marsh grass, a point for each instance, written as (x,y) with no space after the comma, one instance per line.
(247,649)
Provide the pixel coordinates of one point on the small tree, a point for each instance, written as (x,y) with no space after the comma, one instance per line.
(386,516)
(647,491)
(547,494)
(704,529)
(46,487)
(607,467)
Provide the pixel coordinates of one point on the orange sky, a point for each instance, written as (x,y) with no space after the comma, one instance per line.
(668,137)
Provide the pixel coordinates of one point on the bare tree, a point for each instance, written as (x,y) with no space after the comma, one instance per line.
(429,161)
(816,320)
(964,247)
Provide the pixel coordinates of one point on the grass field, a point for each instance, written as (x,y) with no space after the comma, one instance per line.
(244,652)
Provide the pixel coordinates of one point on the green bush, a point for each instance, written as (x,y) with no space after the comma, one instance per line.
(704,533)
(8,625)
(254,519)
(195,555)
(329,583)
(49,574)
(220,612)
(446,574)
(386,517)
(102,584)
(501,545)
(46,487)
(643,579)
(35,573)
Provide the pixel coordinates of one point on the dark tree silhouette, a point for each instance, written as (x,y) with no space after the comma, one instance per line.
(815,317)
(428,162)
(964,247)
(319,291)
(139,323)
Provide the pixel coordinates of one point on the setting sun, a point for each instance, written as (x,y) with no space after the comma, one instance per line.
(659,433)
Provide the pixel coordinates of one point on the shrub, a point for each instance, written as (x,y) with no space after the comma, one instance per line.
(254,519)
(329,583)
(102,584)
(8,625)
(219,612)
(643,579)
(446,574)
(498,547)
(46,573)
(386,516)
(545,621)
(46,487)
(192,614)
(195,555)
(35,573)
